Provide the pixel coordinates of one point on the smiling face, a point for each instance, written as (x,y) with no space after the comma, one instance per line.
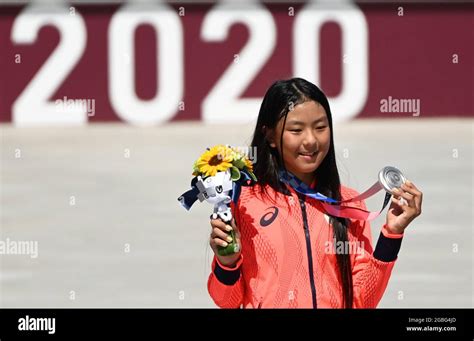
(306,139)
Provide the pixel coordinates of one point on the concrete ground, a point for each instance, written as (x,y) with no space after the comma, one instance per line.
(100,202)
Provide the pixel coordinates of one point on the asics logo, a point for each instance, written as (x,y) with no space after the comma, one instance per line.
(269,217)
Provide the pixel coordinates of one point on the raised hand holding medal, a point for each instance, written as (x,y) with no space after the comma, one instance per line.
(406,206)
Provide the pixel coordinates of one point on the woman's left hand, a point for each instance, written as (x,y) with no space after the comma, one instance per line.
(401,213)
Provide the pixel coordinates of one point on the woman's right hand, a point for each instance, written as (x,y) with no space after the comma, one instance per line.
(220,236)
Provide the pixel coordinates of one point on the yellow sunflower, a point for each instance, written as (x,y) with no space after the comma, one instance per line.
(218,158)
(248,164)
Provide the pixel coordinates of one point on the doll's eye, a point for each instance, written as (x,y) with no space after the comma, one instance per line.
(219,189)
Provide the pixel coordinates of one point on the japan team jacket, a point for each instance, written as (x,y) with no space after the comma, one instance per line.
(288,257)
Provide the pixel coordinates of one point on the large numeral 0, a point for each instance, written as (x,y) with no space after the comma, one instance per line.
(122,62)
(33,107)
(354,45)
(223,103)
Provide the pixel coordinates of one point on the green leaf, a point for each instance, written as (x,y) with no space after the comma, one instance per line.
(239,163)
(254,178)
(234,173)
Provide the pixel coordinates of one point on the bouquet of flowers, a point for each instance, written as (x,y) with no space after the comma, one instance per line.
(218,175)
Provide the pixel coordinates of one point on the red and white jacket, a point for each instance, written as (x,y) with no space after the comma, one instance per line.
(288,256)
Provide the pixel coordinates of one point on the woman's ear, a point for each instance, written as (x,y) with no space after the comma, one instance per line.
(269,136)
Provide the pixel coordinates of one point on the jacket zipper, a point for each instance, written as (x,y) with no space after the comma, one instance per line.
(308,249)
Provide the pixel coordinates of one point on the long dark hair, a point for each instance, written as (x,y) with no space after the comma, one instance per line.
(280,98)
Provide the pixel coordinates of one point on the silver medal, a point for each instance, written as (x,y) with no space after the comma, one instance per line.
(390,178)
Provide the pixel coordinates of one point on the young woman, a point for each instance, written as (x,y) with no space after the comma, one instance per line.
(290,255)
